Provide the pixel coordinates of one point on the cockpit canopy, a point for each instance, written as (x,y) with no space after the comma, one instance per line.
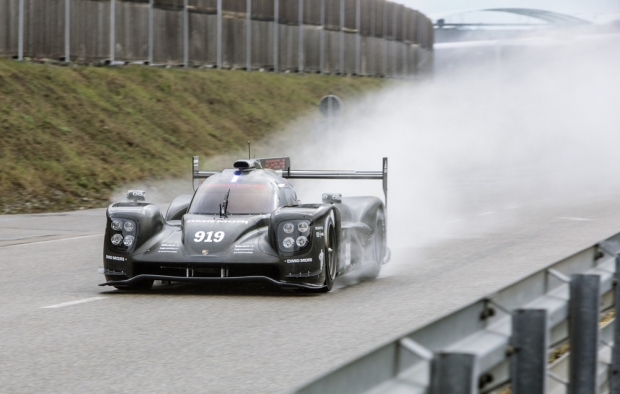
(252,192)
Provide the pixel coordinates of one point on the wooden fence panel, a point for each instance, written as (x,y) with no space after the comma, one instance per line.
(44,28)
(233,43)
(9,10)
(350,20)
(289,12)
(312,12)
(262,45)
(202,39)
(263,10)
(379,14)
(312,49)
(236,6)
(131,33)
(167,37)
(90,30)
(332,14)
(390,17)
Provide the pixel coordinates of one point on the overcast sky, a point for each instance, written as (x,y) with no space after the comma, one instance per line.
(586,8)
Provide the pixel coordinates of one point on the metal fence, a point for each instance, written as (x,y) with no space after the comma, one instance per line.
(552,332)
(363,37)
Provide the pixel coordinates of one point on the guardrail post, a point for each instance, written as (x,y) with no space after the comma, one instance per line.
(186,34)
(615,355)
(373,39)
(219,34)
(405,55)
(67,30)
(385,48)
(150,54)
(322,39)
(583,330)
(358,38)
(248,36)
(342,72)
(20,31)
(276,34)
(301,36)
(453,373)
(112,30)
(530,339)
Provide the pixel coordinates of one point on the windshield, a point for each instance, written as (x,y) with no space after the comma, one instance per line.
(244,199)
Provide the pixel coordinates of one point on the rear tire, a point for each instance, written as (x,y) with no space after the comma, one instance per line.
(378,247)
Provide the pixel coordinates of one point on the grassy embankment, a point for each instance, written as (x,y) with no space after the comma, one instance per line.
(70,135)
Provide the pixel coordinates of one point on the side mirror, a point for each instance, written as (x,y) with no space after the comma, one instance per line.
(136,195)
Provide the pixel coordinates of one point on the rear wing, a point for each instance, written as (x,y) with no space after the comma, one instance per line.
(307,174)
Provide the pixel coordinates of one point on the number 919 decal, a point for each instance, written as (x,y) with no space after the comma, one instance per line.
(210,236)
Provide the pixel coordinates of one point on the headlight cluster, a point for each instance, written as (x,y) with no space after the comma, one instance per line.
(293,235)
(125,236)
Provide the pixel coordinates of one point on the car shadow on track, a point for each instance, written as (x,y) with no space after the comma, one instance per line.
(241,290)
(193,289)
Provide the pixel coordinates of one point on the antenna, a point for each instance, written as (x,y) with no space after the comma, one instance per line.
(249,154)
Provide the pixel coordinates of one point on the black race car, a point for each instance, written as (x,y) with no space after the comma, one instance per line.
(246,225)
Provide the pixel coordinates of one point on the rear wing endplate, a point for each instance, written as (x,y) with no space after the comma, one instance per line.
(310,174)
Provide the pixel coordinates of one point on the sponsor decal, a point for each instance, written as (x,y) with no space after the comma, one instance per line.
(319,234)
(293,261)
(168,248)
(244,249)
(205,252)
(116,258)
(318,228)
(234,179)
(321,258)
(217,221)
(209,236)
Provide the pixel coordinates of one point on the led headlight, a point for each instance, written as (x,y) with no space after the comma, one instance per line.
(288,228)
(117,225)
(117,239)
(288,242)
(129,226)
(303,227)
(302,241)
(128,241)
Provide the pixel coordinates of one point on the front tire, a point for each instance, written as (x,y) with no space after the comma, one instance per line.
(330,251)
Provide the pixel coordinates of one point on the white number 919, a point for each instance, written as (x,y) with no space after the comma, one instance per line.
(210,237)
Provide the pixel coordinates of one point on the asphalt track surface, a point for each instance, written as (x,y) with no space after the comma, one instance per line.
(60,332)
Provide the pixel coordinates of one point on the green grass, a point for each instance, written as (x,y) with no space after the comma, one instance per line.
(70,135)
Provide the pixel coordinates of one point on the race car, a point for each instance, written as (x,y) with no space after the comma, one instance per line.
(246,225)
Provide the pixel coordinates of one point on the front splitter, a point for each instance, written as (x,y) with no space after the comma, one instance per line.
(221,280)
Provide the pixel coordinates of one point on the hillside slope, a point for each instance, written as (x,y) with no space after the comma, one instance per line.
(69,135)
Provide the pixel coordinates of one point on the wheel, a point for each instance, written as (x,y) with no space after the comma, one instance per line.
(142,285)
(330,252)
(377,247)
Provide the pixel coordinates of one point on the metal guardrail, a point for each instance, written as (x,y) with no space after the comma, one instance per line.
(552,332)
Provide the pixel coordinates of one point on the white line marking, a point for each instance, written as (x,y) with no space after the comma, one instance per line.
(486,213)
(85,300)
(515,207)
(53,240)
(576,219)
